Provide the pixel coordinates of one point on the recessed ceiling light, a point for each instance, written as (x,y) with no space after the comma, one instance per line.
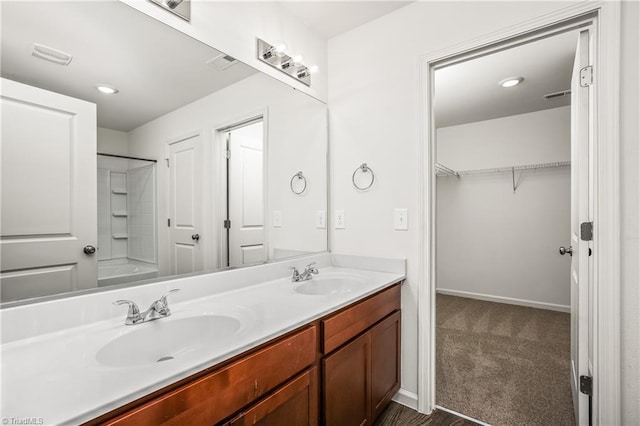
(511,81)
(106,89)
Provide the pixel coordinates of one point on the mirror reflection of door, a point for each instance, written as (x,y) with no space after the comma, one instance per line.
(185,201)
(48,193)
(245,195)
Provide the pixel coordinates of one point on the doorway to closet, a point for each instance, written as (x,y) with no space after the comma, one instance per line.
(244,222)
(503,208)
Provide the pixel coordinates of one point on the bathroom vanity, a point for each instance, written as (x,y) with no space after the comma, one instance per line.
(341,369)
(322,351)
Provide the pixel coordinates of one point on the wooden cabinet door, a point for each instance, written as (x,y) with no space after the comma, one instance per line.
(294,404)
(385,362)
(347,384)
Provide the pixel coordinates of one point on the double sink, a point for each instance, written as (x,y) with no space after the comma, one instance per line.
(171,338)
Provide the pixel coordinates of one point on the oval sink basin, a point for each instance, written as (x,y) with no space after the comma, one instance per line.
(330,284)
(167,339)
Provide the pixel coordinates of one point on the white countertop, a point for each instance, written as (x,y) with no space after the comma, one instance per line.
(55,376)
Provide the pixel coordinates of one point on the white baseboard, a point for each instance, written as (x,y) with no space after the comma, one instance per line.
(508,300)
(406,398)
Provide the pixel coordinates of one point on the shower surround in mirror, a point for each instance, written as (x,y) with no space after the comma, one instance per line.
(176,113)
(127,220)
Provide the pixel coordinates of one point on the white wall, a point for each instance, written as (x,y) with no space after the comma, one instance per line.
(374,103)
(112,142)
(232,27)
(296,140)
(533,138)
(490,240)
(630,226)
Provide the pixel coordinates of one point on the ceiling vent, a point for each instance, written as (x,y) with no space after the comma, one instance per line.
(50,54)
(222,61)
(556,95)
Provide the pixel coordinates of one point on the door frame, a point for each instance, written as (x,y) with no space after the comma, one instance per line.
(606,332)
(218,159)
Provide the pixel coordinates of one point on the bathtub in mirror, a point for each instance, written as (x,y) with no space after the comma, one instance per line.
(192,165)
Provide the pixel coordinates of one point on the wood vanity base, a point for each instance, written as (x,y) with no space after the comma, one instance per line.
(342,369)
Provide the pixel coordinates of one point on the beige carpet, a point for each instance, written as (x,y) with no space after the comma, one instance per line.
(503,364)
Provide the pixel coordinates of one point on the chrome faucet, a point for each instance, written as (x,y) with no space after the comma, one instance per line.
(158,309)
(307,274)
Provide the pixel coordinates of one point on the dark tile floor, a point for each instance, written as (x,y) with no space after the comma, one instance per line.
(397,414)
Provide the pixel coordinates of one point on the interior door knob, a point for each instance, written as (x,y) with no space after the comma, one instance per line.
(564,251)
(195,237)
(89,249)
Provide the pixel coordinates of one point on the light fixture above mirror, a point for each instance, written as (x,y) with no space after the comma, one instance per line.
(277,57)
(181,8)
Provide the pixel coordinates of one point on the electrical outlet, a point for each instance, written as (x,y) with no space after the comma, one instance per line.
(321,219)
(277,219)
(400,219)
(340,219)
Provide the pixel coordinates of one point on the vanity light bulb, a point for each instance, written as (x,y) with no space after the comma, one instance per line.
(280,49)
(313,69)
(297,60)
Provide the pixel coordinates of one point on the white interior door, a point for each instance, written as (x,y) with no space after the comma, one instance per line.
(185,204)
(581,282)
(246,199)
(49,191)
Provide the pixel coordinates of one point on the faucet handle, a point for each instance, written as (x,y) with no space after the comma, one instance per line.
(163,299)
(133,308)
(311,268)
(296,274)
(133,315)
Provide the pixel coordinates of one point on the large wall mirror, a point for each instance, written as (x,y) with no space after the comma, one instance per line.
(132,152)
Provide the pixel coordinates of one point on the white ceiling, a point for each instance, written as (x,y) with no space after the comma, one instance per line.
(138,58)
(156,68)
(330,18)
(468,92)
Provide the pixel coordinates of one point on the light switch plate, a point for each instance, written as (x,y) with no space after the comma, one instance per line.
(400,219)
(340,219)
(277,219)
(321,219)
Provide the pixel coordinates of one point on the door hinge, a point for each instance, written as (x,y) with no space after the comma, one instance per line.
(227,154)
(586,231)
(167,160)
(586,385)
(169,223)
(586,76)
(227,224)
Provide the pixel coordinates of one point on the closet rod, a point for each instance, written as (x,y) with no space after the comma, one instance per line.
(513,168)
(126,157)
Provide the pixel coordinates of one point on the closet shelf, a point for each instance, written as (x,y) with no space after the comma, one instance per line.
(120,214)
(445,171)
(442,170)
(120,236)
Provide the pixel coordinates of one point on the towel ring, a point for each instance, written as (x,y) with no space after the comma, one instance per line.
(298,175)
(364,169)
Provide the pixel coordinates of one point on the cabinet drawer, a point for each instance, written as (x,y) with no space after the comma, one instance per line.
(348,323)
(220,394)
